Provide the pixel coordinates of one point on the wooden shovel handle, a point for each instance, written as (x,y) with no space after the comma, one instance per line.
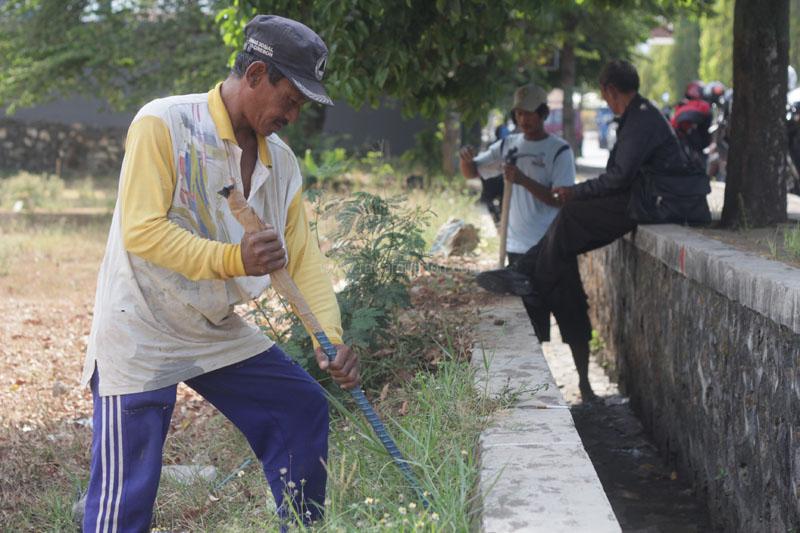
(507,188)
(281,279)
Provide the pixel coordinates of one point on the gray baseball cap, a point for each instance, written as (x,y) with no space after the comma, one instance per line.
(529,97)
(298,52)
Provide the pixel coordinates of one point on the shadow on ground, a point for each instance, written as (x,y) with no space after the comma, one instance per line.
(645,493)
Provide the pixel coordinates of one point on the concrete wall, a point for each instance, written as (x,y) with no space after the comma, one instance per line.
(707,344)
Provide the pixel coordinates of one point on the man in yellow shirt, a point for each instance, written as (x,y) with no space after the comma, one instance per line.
(176,264)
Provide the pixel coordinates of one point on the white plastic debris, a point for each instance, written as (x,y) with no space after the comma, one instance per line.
(187,474)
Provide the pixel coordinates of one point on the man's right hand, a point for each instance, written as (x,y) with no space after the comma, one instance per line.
(466,161)
(262,252)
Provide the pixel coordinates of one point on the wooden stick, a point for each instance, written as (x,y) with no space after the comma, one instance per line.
(281,279)
(507,189)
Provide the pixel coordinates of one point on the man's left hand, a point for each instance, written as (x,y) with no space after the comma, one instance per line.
(513,174)
(343,369)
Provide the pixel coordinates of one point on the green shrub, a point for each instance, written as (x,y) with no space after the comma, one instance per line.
(427,150)
(378,244)
(375,164)
(33,190)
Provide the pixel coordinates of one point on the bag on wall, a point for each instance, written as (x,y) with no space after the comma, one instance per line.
(671,199)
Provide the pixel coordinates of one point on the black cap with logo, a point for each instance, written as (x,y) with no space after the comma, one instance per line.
(298,52)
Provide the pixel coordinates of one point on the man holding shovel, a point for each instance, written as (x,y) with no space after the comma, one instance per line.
(533,163)
(176,263)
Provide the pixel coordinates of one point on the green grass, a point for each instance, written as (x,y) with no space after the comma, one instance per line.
(791,241)
(445,417)
(445,414)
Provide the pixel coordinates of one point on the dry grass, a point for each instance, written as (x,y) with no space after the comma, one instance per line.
(47,289)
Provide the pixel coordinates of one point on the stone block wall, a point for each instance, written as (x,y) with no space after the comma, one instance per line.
(66,150)
(706,342)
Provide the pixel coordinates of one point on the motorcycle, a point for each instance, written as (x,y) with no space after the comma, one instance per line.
(718,150)
(691,120)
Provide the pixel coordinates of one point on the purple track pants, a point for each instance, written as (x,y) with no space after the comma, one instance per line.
(281,410)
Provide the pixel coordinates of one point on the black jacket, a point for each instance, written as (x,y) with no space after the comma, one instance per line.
(647,161)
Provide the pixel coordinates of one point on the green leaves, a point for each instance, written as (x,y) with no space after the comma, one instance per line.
(124,52)
(378,246)
(427,55)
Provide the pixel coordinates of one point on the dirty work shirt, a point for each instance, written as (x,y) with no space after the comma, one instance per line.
(173,270)
(549,162)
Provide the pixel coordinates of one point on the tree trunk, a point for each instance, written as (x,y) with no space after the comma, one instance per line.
(685,56)
(755,193)
(450,142)
(568,83)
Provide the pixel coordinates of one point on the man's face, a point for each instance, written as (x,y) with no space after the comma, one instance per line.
(612,97)
(270,107)
(529,122)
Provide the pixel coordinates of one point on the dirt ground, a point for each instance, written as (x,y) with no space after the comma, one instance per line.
(47,287)
(47,294)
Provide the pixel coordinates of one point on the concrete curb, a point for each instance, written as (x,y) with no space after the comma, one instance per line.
(535,474)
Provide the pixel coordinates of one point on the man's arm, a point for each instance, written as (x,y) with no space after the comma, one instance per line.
(513,174)
(147,186)
(485,165)
(634,145)
(306,269)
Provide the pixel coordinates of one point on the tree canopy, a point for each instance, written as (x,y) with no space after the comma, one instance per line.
(716,43)
(432,56)
(123,52)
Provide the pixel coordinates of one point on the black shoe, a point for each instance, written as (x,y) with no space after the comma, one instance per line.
(505,281)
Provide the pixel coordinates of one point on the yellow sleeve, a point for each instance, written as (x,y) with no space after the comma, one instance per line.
(147,186)
(305,267)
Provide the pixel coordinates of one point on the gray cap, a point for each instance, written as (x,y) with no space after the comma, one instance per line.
(529,97)
(298,52)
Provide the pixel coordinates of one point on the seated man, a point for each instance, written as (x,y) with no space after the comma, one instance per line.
(648,179)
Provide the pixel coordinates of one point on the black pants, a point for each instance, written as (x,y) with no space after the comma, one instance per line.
(568,303)
(581,226)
